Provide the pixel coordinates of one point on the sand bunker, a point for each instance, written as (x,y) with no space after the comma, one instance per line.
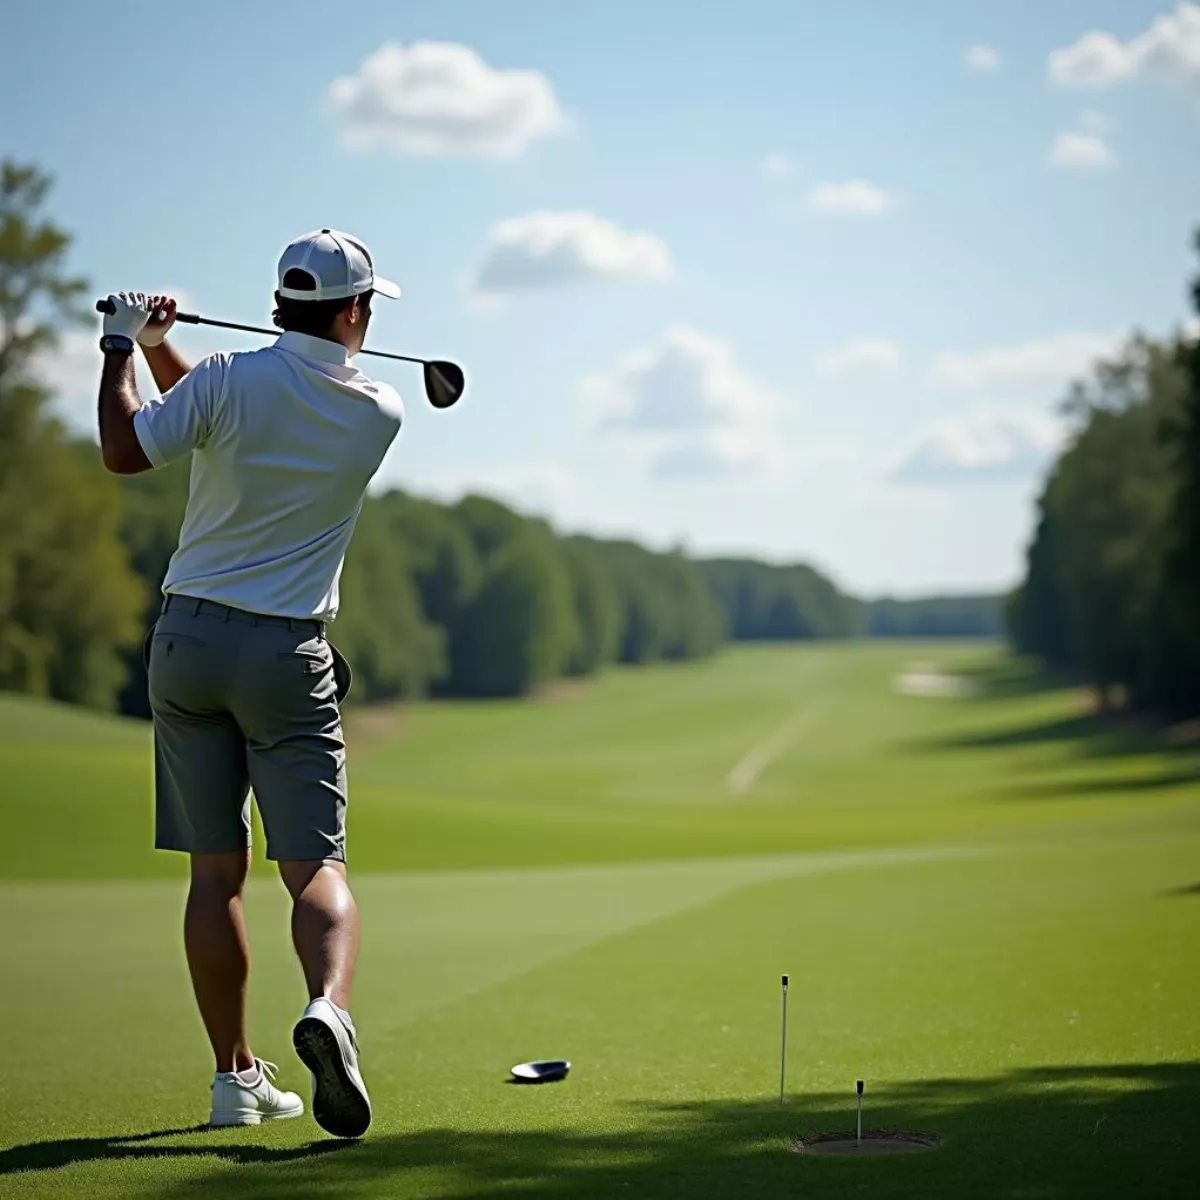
(928,679)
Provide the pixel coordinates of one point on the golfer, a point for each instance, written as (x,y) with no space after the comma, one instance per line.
(244,683)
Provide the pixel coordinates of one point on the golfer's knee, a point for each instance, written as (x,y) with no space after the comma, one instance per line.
(299,875)
(223,874)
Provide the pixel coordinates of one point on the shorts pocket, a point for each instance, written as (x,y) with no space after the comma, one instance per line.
(186,639)
(316,659)
(342,674)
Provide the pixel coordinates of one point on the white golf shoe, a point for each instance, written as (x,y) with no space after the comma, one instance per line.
(325,1041)
(236,1102)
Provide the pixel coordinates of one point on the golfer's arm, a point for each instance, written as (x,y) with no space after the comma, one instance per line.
(119,402)
(166,365)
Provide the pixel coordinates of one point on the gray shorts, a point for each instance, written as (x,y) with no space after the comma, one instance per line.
(240,702)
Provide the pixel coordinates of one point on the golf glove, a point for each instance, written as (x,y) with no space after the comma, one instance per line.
(162,320)
(130,313)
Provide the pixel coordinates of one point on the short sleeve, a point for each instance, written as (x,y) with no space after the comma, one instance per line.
(183,419)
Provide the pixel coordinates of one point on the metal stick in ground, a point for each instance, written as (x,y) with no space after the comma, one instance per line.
(783,1041)
(858,1141)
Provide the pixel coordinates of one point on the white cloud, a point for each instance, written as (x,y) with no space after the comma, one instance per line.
(854,197)
(1049,362)
(1081,152)
(866,354)
(987,446)
(441,98)
(550,249)
(982,58)
(1170,48)
(776,166)
(686,407)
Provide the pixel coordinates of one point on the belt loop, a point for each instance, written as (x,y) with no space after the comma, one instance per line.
(226,613)
(196,606)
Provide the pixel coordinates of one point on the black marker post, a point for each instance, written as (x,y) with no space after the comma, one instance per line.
(858,1142)
(783,1042)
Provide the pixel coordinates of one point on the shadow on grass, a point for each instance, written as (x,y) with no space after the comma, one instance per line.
(1190,889)
(47,1156)
(1011,677)
(1092,734)
(1110,1131)
(1088,735)
(1111,786)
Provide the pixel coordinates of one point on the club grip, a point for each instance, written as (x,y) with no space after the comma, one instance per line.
(107,306)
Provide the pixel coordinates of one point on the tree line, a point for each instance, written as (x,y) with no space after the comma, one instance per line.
(463,599)
(1112,585)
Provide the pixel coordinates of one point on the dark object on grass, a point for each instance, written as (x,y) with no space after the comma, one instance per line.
(548,1070)
(873,1141)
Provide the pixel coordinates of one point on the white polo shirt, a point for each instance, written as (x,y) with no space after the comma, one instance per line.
(284,442)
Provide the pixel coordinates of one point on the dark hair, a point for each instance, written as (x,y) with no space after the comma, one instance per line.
(314,317)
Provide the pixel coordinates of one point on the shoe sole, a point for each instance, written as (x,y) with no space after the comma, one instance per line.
(339,1106)
(229,1120)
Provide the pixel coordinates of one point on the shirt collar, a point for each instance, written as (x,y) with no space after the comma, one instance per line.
(307,346)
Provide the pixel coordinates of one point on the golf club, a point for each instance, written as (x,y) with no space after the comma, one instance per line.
(444,381)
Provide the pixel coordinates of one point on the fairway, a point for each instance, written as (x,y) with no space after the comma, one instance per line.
(987,900)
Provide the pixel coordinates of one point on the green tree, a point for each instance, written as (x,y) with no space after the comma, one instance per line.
(443,562)
(1097,596)
(520,628)
(69,602)
(380,627)
(490,524)
(597,607)
(152,508)
(762,601)
(1182,436)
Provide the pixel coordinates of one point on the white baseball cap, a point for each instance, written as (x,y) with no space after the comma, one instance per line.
(339,264)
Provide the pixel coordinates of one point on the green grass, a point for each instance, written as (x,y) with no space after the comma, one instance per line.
(989,907)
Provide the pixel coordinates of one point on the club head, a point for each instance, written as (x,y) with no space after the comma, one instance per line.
(444,383)
(545,1071)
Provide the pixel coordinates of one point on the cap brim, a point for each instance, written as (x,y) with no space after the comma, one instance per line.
(385,287)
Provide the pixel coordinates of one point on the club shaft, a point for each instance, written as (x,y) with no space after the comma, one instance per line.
(195,319)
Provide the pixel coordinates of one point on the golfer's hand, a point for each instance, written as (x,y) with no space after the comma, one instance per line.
(162,318)
(131,311)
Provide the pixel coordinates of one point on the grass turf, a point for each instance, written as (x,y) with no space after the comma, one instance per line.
(988,907)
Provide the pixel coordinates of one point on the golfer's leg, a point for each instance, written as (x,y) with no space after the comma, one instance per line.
(296,756)
(324,926)
(202,809)
(218,953)
(297,760)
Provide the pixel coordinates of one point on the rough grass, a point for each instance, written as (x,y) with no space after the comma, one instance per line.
(988,907)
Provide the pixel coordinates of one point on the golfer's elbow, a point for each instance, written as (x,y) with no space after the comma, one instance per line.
(124,457)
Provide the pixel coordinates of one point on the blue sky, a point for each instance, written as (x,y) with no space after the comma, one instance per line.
(792,279)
